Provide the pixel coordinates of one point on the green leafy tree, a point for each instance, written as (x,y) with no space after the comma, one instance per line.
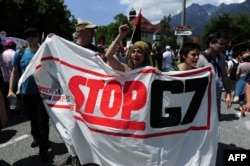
(222,23)
(101,33)
(240,27)
(47,15)
(167,34)
(236,29)
(108,33)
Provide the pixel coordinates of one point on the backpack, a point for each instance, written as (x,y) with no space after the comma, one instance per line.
(20,55)
(232,75)
(215,64)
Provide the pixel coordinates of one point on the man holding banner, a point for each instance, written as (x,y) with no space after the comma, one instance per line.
(85,33)
(30,95)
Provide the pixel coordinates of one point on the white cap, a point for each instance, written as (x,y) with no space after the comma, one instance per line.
(168,47)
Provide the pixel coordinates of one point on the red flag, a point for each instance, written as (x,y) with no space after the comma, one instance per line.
(138,20)
(136,36)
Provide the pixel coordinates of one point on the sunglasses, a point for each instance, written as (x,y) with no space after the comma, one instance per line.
(32,35)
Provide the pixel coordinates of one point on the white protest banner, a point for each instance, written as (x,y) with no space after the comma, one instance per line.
(133,118)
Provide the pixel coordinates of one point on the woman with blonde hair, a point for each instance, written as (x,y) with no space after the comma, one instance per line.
(138,55)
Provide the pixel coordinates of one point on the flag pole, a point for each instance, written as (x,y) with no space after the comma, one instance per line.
(133,33)
(137,21)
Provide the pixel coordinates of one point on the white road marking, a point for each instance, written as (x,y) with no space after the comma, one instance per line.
(14,140)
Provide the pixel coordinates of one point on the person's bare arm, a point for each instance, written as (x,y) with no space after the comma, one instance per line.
(237,72)
(13,81)
(229,68)
(113,62)
(246,107)
(226,84)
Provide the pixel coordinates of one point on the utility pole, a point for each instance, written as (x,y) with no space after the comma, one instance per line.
(183,15)
(183,20)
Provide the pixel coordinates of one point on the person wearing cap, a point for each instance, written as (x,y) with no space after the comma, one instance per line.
(30,95)
(168,58)
(83,36)
(85,32)
(6,65)
(138,55)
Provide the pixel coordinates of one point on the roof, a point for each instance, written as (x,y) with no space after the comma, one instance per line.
(147,26)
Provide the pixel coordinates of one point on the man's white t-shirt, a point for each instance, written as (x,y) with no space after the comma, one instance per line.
(168,59)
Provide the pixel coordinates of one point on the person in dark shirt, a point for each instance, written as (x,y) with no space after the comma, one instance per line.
(213,56)
(83,36)
(31,100)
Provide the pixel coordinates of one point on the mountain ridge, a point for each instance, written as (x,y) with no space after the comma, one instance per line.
(198,16)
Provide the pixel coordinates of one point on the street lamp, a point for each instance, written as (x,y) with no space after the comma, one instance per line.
(156,36)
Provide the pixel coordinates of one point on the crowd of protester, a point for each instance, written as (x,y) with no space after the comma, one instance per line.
(139,54)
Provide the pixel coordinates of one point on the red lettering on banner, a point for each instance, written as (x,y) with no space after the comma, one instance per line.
(74,83)
(113,88)
(94,87)
(45,90)
(135,95)
(116,101)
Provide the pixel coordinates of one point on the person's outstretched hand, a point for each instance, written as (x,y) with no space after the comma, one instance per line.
(245,109)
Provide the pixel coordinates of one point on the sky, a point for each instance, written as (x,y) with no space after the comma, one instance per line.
(102,12)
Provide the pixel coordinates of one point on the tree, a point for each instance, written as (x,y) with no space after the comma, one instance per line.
(100,36)
(167,34)
(47,15)
(240,27)
(236,29)
(109,32)
(217,24)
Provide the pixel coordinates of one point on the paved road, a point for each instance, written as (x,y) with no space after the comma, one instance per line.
(15,146)
(233,131)
(15,141)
